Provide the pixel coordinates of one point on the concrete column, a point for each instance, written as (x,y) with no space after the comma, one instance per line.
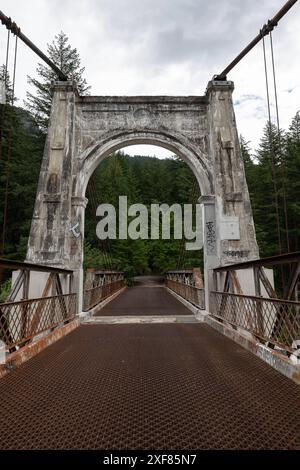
(211,248)
(232,222)
(51,220)
(74,245)
(75,238)
(236,232)
(55,237)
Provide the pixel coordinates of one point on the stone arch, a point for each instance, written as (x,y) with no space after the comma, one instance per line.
(96,152)
(83,130)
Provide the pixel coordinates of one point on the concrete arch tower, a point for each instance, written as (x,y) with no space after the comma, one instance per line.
(85,129)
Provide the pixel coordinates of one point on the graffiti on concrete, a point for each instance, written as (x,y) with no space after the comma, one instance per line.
(75,230)
(210,238)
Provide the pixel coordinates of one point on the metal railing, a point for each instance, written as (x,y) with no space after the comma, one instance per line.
(22,320)
(193,294)
(109,283)
(272,317)
(24,315)
(274,321)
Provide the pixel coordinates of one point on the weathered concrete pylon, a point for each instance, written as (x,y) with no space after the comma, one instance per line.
(84,130)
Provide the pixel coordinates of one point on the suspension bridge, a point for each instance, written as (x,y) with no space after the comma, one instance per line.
(186,360)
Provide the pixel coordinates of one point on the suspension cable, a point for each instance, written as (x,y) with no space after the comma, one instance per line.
(265,30)
(282,166)
(92,194)
(267,81)
(14,28)
(274,80)
(181,261)
(272,150)
(7,55)
(14,72)
(9,153)
(3,110)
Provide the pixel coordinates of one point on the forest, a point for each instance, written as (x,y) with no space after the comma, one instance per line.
(272,171)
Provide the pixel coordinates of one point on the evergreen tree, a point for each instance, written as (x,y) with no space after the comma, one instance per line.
(5,80)
(246,154)
(68,60)
(147,180)
(265,193)
(21,147)
(250,167)
(292,181)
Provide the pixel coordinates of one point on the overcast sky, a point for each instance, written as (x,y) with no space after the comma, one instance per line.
(167,47)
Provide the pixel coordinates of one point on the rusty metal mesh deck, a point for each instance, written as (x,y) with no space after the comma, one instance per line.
(150,387)
(144,301)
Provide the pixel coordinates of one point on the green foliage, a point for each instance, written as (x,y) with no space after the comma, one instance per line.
(273,177)
(68,60)
(129,275)
(292,182)
(93,258)
(144,180)
(5,290)
(22,146)
(5,78)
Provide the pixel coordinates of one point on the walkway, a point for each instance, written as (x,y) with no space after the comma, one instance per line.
(148,386)
(148,297)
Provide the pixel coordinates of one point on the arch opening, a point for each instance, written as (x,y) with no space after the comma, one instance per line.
(194,157)
(166,172)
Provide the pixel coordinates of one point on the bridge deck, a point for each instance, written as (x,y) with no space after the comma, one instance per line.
(144,300)
(151,386)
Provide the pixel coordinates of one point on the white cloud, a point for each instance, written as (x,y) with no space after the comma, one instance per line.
(132,47)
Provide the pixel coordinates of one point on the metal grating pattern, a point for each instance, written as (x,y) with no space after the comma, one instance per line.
(272,320)
(22,320)
(148,387)
(144,301)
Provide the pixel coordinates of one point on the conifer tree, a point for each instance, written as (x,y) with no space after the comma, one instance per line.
(267,191)
(68,60)
(5,79)
(292,181)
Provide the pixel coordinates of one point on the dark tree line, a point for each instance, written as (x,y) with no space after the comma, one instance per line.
(273,176)
(145,180)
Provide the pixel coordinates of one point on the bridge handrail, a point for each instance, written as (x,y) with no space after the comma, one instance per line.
(102,285)
(194,295)
(180,271)
(26,266)
(273,321)
(256,297)
(15,302)
(107,283)
(269,315)
(29,308)
(22,320)
(185,284)
(269,261)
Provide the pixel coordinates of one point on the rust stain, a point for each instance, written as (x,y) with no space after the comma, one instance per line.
(27,352)
(296,376)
